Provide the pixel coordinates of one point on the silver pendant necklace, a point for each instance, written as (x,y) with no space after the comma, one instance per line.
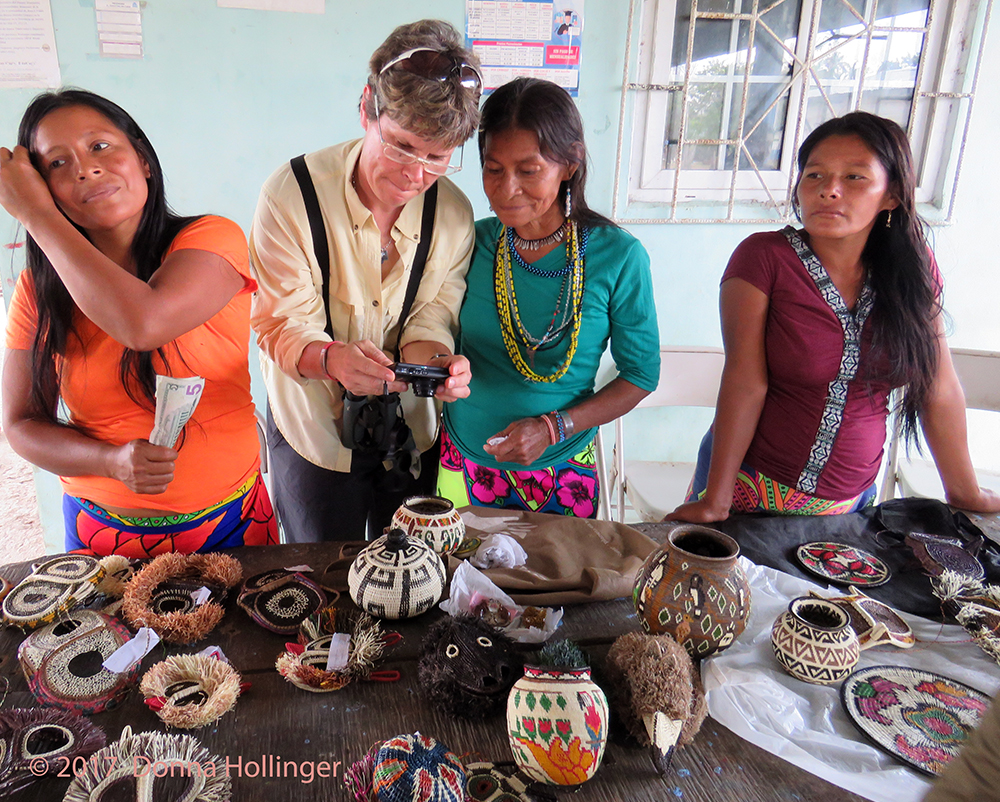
(541,242)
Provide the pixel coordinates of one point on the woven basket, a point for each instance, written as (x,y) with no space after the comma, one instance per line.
(396,577)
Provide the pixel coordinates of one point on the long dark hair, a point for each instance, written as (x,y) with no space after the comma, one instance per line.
(897,262)
(56,309)
(549,112)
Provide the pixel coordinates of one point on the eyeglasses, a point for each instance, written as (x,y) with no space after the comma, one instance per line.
(400,156)
(426,62)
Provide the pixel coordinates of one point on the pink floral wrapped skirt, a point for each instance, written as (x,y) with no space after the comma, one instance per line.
(568,488)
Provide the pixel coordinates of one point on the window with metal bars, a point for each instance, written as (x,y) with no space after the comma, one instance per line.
(727,89)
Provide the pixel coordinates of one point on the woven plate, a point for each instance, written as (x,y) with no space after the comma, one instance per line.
(918,717)
(843,564)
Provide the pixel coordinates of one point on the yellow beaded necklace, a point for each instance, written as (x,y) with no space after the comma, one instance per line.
(511,328)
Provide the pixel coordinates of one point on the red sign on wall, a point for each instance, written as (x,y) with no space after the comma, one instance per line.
(562,54)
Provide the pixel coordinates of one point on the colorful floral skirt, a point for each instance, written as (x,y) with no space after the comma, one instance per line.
(568,488)
(243,519)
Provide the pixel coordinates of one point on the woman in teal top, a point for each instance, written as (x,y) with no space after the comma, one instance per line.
(551,282)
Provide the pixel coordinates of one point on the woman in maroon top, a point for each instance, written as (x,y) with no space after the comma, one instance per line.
(819,325)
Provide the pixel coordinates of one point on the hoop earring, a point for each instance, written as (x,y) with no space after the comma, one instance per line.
(569,201)
(888,219)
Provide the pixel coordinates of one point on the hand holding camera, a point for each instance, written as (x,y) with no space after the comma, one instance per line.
(457,375)
(361,367)
(424,379)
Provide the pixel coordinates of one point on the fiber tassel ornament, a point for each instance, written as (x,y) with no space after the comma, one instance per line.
(974,604)
(359,777)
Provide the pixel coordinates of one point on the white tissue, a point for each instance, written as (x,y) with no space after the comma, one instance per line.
(499,551)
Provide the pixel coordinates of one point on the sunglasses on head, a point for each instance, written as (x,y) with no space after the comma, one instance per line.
(425,62)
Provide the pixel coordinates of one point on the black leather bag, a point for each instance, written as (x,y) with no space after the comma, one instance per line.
(772,540)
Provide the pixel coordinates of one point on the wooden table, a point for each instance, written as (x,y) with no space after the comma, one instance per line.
(275,718)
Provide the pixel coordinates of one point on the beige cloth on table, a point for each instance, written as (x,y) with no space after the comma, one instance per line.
(570,560)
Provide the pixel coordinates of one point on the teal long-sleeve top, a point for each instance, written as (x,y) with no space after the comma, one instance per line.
(617,307)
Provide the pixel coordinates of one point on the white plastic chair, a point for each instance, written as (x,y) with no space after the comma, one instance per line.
(979,373)
(689,377)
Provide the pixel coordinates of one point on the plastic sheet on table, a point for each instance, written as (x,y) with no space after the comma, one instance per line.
(805,724)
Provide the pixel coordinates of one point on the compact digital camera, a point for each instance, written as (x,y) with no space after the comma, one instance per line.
(424,379)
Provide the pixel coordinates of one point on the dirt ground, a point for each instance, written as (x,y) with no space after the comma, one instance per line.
(20,528)
(21,537)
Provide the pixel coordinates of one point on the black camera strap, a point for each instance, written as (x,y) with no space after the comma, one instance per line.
(321,249)
(316,228)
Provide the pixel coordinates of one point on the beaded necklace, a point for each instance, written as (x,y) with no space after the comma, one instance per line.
(515,335)
(554,334)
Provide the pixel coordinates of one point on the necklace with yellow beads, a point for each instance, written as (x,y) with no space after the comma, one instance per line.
(515,335)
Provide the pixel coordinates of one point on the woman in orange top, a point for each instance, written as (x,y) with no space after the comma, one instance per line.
(119,289)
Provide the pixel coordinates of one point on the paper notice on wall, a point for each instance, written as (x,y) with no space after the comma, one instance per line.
(301,6)
(119,28)
(531,38)
(28,55)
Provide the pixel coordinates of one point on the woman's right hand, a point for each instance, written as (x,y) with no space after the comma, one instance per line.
(142,467)
(698,512)
(524,441)
(22,188)
(361,367)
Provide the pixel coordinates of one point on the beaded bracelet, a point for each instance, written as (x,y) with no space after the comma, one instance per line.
(322,360)
(559,424)
(552,431)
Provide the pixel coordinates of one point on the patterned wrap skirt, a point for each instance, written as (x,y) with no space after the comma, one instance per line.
(244,519)
(568,488)
(755,492)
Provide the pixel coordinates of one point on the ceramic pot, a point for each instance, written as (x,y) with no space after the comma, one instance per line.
(814,642)
(396,577)
(557,723)
(432,519)
(693,589)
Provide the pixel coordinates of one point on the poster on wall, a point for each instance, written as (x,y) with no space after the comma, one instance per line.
(119,28)
(533,38)
(28,57)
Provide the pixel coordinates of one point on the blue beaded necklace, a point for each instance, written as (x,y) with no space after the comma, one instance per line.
(558,272)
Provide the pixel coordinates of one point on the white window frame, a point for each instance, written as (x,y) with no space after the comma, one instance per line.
(945,89)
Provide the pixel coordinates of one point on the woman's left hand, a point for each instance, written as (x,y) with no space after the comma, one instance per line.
(22,188)
(460,374)
(524,441)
